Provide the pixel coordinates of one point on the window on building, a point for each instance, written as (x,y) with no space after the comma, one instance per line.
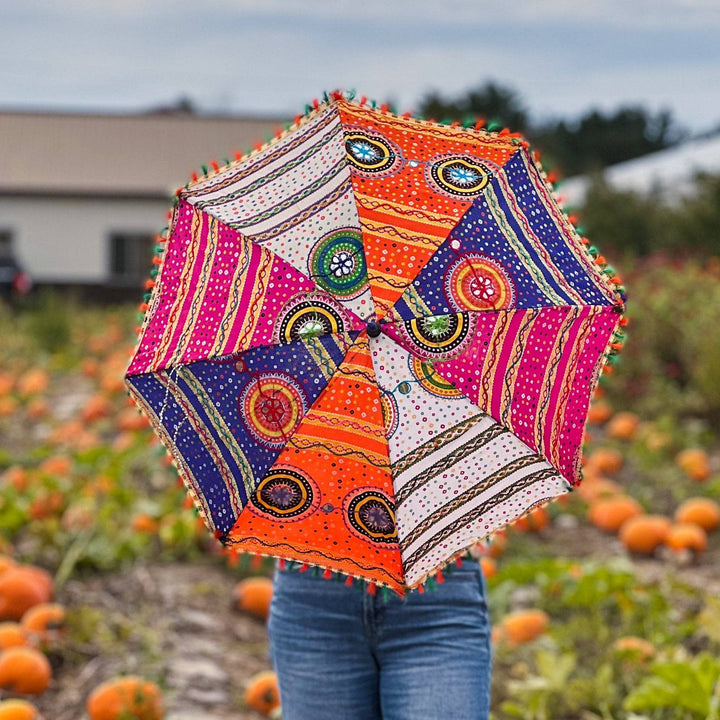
(130,257)
(6,243)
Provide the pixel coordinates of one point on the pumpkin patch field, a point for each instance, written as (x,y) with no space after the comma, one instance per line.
(116,604)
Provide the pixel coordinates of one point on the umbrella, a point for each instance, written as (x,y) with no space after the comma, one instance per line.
(372,341)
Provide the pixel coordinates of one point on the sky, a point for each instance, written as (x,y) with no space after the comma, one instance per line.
(270,57)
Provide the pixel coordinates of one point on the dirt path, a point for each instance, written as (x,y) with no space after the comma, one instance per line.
(170,622)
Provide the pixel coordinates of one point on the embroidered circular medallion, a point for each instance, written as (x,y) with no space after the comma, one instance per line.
(371,515)
(390,413)
(457,175)
(271,407)
(439,336)
(430,380)
(477,282)
(285,493)
(337,263)
(307,316)
(371,154)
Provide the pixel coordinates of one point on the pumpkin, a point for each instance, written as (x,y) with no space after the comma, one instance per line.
(599,412)
(643,534)
(46,622)
(686,536)
(8,406)
(22,587)
(6,384)
(700,511)
(488,566)
(131,420)
(17,476)
(262,693)
(56,465)
(694,462)
(17,710)
(497,543)
(96,407)
(253,595)
(6,562)
(595,488)
(126,697)
(33,382)
(534,521)
(24,670)
(46,504)
(37,408)
(606,461)
(144,523)
(12,635)
(635,646)
(524,625)
(623,426)
(611,513)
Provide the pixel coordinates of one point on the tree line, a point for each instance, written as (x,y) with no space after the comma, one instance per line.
(587,145)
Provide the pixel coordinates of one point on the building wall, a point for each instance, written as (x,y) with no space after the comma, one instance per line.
(67,240)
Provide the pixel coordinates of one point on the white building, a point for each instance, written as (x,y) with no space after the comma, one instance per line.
(671,172)
(82,197)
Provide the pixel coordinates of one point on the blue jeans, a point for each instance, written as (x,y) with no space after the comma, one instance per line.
(343,654)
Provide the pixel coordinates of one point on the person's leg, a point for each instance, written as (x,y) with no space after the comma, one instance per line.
(434,651)
(319,650)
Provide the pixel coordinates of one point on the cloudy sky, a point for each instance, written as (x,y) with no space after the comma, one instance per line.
(269,57)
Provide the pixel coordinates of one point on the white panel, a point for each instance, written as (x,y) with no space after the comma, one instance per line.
(61,240)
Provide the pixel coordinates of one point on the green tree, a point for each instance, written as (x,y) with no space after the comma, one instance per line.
(597,139)
(494,103)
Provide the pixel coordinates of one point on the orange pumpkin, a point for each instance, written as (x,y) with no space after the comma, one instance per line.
(686,536)
(18,710)
(599,412)
(12,635)
(610,513)
(623,426)
(37,408)
(46,504)
(643,534)
(7,382)
(695,463)
(24,670)
(131,420)
(127,697)
(524,625)
(33,382)
(534,521)
(96,407)
(6,562)
(635,647)
(596,488)
(56,466)
(262,693)
(253,595)
(89,367)
(606,461)
(700,511)
(17,476)
(8,406)
(46,622)
(22,587)
(144,523)
(488,566)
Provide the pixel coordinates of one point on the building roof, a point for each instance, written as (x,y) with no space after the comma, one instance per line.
(144,155)
(672,172)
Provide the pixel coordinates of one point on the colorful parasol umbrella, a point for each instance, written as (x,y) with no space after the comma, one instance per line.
(372,341)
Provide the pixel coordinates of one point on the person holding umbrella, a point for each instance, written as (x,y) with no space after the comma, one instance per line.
(371,343)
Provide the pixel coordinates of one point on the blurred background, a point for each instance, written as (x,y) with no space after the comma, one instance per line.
(107,107)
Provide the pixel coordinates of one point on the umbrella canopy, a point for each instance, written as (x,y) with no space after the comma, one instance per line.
(373,340)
